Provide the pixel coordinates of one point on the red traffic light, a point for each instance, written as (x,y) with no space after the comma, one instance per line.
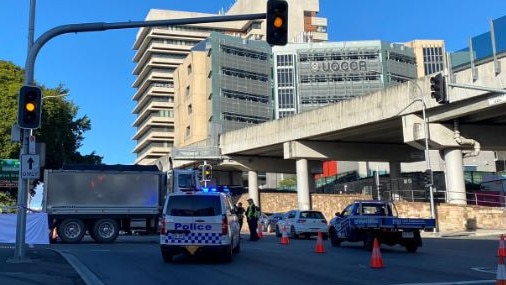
(277,22)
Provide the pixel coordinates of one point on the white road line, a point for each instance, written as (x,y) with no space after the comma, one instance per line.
(453,283)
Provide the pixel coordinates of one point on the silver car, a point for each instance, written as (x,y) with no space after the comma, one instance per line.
(306,223)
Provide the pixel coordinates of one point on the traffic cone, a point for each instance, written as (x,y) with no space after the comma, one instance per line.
(284,236)
(259,231)
(501,251)
(376,260)
(501,272)
(319,244)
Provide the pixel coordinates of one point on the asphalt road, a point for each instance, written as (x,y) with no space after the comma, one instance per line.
(137,260)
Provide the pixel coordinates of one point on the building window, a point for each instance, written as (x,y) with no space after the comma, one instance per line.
(188,131)
(189,69)
(190,109)
(187,92)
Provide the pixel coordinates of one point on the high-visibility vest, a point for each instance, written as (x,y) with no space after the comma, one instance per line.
(252,212)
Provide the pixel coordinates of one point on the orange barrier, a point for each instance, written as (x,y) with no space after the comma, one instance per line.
(284,236)
(501,272)
(501,251)
(376,259)
(319,244)
(259,231)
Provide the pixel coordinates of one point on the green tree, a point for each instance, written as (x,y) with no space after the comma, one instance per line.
(288,183)
(61,131)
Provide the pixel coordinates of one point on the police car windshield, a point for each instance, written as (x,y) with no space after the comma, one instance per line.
(195,206)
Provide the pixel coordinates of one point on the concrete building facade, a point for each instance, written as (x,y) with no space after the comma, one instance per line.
(160,50)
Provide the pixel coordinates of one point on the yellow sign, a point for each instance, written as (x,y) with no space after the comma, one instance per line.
(192,248)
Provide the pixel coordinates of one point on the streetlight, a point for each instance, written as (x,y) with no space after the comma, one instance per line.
(55,96)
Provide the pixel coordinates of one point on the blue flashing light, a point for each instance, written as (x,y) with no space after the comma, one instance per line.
(213,189)
(205,189)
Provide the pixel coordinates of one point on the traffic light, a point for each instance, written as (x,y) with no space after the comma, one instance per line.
(207,172)
(277,22)
(427,177)
(438,88)
(30,107)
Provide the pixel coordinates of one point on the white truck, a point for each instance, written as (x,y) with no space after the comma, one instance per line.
(101,200)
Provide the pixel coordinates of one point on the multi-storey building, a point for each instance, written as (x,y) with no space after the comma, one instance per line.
(222,85)
(160,50)
(311,75)
(429,54)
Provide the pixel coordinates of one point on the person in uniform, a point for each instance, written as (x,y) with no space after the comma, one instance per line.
(252,214)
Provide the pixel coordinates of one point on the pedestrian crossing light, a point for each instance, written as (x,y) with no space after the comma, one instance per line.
(438,88)
(277,22)
(427,177)
(30,107)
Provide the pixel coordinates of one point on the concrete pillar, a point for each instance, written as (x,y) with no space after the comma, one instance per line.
(303,196)
(455,186)
(253,187)
(395,169)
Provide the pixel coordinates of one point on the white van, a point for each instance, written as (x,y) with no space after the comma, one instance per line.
(198,222)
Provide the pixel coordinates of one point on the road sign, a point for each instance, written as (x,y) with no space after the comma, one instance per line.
(30,166)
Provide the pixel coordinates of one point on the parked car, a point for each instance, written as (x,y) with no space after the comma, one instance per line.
(273,219)
(307,223)
(264,221)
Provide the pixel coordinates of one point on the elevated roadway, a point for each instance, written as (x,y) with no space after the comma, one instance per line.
(383,126)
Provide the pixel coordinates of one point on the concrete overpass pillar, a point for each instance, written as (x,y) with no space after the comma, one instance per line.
(455,186)
(253,187)
(303,197)
(395,169)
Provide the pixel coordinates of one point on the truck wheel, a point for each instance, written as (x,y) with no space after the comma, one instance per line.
(71,230)
(105,230)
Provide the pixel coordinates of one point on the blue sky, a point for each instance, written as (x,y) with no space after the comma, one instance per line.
(97,66)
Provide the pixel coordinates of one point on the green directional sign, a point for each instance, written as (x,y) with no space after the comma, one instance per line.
(9,172)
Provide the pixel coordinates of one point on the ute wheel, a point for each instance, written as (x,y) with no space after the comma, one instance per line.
(71,230)
(334,240)
(411,247)
(105,231)
(369,242)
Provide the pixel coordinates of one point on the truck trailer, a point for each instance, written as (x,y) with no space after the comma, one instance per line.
(102,200)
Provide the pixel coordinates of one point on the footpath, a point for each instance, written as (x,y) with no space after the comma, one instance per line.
(46,265)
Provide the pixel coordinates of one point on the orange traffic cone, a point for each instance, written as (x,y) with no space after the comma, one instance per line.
(501,272)
(376,260)
(319,244)
(501,251)
(284,236)
(259,231)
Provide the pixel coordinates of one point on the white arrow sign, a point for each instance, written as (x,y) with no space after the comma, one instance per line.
(30,166)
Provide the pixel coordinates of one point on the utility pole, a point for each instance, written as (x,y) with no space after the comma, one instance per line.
(33,50)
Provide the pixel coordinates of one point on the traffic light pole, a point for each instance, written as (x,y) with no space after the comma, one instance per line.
(33,50)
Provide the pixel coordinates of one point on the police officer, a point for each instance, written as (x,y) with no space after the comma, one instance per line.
(240,214)
(252,214)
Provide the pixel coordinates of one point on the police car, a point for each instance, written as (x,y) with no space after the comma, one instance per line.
(199,222)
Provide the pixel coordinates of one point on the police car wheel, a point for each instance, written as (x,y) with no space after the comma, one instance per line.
(278,233)
(237,248)
(166,256)
(227,255)
(293,233)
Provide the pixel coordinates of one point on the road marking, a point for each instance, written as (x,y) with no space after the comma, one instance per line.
(485,269)
(453,283)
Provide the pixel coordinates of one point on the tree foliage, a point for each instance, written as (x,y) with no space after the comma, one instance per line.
(61,131)
(288,183)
